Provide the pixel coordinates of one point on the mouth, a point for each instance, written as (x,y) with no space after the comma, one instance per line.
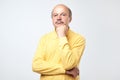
(59,22)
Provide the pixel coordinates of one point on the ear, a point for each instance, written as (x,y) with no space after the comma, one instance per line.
(70,19)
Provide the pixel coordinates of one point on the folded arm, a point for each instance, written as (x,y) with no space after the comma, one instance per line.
(71,56)
(43,67)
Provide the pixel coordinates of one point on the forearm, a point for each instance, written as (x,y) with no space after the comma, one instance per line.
(70,56)
(47,68)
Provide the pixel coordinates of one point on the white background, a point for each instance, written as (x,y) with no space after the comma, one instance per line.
(23,22)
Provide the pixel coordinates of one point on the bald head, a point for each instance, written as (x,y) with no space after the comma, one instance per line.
(64,6)
(61,15)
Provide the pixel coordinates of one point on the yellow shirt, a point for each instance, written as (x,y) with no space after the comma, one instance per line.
(56,55)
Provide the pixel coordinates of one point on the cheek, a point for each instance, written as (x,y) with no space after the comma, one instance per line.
(53,20)
(67,21)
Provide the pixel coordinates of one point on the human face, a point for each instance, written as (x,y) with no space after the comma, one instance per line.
(60,16)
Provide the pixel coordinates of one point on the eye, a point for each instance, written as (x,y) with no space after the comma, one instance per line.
(54,15)
(63,14)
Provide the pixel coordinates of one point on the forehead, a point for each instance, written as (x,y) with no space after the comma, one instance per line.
(60,9)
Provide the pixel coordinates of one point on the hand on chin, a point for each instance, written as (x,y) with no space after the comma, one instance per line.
(59,25)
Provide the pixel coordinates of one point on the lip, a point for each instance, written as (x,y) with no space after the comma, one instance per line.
(59,22)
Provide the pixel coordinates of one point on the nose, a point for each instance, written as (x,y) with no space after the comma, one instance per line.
(59,17)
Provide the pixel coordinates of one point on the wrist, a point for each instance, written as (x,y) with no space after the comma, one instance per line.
(61,35)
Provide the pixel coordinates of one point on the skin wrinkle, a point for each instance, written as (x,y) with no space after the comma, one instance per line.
(70,12)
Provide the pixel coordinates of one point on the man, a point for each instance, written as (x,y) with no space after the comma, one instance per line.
(59,52)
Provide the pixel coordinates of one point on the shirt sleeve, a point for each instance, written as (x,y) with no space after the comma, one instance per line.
(70,56)
(43,67)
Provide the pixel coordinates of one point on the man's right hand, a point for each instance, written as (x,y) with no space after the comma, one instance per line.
(62,30)
(73,72)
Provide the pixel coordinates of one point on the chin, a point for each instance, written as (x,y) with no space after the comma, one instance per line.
(56,25)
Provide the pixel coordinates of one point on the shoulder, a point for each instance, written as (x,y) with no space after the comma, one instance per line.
(76,38)
(77,35)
